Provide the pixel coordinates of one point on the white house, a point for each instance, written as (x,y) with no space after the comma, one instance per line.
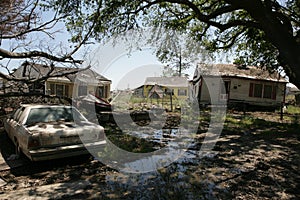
(237,85)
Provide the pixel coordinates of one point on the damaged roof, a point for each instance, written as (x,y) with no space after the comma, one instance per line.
(167,81)
(232,70)
(36,71)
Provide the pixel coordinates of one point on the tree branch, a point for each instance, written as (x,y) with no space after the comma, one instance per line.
(34,54)
(49,74)
(231,41)
(40,28)
(208,19)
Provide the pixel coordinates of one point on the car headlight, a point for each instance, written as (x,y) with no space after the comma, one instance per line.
(33,141)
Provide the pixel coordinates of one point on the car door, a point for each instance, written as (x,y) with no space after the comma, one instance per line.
(16,128)
(11,123)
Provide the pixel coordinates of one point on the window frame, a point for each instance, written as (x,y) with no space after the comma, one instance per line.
(53,89)
(262,94)
(180,90)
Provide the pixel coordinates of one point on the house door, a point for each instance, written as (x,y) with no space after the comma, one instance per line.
(225,90)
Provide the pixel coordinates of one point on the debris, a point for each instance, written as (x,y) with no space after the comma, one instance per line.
(2,182)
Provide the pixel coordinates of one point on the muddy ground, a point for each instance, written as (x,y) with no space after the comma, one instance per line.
(256,158)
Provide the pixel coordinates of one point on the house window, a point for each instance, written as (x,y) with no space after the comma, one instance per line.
(82,90)
(100,92)
(52,89)
(262,91)
(257,90)
(182,92)
(268,91)
(59,89)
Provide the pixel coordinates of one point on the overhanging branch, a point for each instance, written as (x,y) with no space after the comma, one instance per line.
(36,54)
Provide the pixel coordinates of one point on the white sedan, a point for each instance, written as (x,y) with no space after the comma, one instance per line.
(44,132)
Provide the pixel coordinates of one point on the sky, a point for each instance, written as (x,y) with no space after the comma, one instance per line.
(131,71)
(126,68)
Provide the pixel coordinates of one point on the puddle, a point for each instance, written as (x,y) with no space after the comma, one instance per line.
(177,146)
(168,167)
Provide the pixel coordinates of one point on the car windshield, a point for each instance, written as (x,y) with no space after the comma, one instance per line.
(53,114)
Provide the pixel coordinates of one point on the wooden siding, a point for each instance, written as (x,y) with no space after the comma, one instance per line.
(239,91)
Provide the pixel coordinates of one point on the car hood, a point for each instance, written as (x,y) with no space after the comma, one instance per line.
(64,127)
(64,133)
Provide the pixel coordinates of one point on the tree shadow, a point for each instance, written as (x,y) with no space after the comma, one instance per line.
(7,149)
(264,156)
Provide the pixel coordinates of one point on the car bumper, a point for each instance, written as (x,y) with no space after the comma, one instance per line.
(64,151)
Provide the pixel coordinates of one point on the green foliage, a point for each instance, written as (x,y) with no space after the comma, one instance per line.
(293,109)
(250,28)
(176,50)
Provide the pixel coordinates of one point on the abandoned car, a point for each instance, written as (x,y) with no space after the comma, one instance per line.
(43,132)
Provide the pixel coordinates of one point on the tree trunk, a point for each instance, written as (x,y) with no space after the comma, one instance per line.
(278,33)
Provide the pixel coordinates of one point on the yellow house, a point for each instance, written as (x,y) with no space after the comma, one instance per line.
(73,84)
(158,87)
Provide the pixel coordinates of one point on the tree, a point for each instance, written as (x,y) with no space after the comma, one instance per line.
(263,32)
(260,32)
(20,22)
(176,51)
(173,53)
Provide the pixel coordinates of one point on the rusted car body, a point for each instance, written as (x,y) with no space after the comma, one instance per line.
(44,132)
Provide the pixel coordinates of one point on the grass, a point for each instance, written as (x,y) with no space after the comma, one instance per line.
(293,109)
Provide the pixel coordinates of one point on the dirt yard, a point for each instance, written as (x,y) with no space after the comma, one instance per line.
(256,157)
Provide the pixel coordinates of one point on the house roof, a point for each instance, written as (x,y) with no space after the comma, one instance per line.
(34,71)
(167,81)
(232,70)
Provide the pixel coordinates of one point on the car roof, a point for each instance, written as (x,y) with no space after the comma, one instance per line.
(43,105)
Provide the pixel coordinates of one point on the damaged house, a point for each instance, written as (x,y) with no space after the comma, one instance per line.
(158,87)
(70,85)
(238,86)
